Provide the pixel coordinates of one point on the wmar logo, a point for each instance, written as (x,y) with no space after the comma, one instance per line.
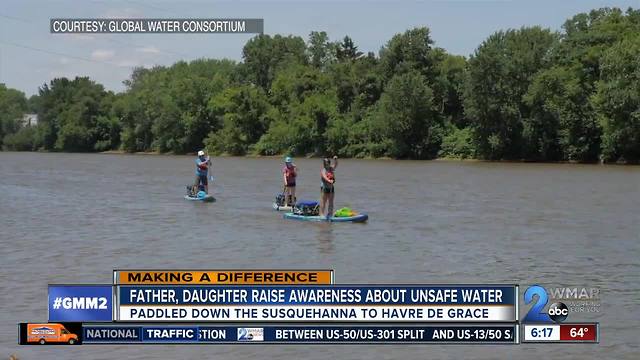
(250,334)
(557,312)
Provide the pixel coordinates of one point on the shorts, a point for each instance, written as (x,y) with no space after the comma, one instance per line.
(291,184)
(202,179)
(327,190)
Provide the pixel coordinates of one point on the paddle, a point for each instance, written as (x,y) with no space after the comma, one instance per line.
(209,167)
(211,178)
(284,195)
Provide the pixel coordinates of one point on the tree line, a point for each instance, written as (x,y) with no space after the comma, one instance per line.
(525,94)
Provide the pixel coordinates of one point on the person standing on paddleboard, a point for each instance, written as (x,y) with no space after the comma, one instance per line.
(327,190)
(289,174)
(202,170)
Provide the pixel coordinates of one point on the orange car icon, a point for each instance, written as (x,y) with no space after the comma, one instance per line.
(50,333)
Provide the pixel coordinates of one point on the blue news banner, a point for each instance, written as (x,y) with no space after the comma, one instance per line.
(95,304)
(339,303)
(336,303)
(314,295)
(303,334)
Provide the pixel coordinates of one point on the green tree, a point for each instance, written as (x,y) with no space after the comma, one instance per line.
(293,84)
(33,103)
(243,111)
(166,108)
(411,50)
(587,36)
(449,88)
(13,104)
(22,140)
(263,55)
(500,72)
(618,101)
(358,86)
(368,89)
(321,51)
(304,106)
(561,125)
(69,111)
(406,118)
(584,44)
(443,73)
(458,144)
(302,130)
(346,50)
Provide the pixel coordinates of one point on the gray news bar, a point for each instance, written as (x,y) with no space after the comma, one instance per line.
(156,26)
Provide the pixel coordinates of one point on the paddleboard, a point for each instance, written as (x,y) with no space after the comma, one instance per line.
(208,198)
(357,218)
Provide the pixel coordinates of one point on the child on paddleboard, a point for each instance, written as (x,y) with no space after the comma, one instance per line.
(289,174)
(327,190)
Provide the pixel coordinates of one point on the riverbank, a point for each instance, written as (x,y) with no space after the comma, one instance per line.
(439,159)
(449,159)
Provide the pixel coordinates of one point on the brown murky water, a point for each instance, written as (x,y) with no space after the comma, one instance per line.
(72,218)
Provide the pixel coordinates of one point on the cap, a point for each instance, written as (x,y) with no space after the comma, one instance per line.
(288,159)
(200,153)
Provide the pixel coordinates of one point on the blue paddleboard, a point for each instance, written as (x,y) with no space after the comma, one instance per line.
(357,218)
(207,198)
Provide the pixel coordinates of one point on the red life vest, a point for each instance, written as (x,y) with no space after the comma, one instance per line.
(289,173)
(330,175)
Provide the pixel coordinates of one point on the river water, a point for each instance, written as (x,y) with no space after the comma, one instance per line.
(73,218)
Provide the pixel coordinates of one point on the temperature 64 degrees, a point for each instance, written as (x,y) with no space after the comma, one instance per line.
(578,332)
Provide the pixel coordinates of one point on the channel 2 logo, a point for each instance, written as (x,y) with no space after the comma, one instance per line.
(557,312)
(250,334)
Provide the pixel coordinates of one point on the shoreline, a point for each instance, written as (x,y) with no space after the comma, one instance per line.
(251,156)
(440,159)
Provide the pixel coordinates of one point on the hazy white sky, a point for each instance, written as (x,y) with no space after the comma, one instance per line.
(31,56)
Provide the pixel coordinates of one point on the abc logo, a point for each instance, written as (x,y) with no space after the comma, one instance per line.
(558,312)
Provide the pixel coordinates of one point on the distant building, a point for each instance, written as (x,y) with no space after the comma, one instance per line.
(29,119)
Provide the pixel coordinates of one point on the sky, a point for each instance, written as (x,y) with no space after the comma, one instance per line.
(30,56)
